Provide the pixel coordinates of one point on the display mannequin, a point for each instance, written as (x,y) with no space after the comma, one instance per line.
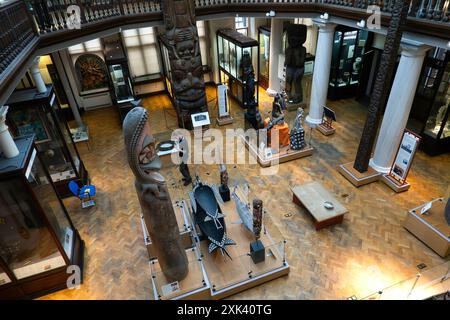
(154,198)
(295,62)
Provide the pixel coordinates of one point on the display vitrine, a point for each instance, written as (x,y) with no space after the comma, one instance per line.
(36,113)
(119,74)
(38,241)
(349,46)
(430,110)
(238,56)
(264,53)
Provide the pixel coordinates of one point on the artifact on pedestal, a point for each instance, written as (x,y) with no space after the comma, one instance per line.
(382,84)
(257,251)
(276,122)
(297,134)
(209,218)
(224,190)
(295,62)
(153,195)
(184,155)
(181,40)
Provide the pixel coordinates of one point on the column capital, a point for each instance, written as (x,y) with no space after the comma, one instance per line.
(411,48)
(3,112)
(325,26)
(35,62)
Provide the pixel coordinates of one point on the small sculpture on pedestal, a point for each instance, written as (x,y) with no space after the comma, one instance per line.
(276,121)
(224,190)
(295,62)
(297,135)
(257,251)
(184,155)
(154,198)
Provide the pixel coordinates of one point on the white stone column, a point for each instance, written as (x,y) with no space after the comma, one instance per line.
(7,144)
(276,46)
(37,76)
(321,74)
(399,105)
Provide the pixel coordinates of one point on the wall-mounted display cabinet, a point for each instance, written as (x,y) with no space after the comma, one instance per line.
(119,74)
(349,46)
(430,110)
(37,238)
(36,113)
(234,48)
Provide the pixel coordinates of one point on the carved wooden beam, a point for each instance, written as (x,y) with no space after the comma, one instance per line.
(382,84)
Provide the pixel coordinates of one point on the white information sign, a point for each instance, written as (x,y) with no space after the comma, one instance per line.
(170,288)
(200,119)
(222,100)
(405,155)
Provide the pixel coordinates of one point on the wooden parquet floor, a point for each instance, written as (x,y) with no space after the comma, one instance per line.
(369,251)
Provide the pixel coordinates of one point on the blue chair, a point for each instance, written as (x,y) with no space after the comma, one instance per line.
(84,193)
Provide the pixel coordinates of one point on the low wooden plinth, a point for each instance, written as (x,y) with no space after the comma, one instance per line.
(355,177)
(284,155)
(326,131)
(312,196)
(222,121)
(393,184)
(431,227)
(216,276)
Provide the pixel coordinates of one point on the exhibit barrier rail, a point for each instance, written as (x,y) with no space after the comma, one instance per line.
(426,284)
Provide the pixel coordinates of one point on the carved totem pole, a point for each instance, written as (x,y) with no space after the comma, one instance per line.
(382,84)
(181,40)
(153,195)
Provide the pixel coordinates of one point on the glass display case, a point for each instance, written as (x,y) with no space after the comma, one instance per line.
(264,53)
(349,46)
(119,74)
(37,238)
(39,114)
(430,110)
(234,48)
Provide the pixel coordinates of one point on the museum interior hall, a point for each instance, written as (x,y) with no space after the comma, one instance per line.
(225,149)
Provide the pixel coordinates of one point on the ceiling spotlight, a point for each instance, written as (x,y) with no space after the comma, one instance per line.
(324,16)
(271,13)
(361,23)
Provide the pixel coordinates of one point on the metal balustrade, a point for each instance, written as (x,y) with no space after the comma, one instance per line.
(24,20)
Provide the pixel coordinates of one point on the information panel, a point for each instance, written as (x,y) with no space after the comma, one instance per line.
(405,155)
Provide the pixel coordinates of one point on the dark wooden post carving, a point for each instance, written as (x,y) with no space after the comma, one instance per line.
(181,40)
(382,83)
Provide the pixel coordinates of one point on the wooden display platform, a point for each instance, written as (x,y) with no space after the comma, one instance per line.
(394,184)
(284,155)
(214,276)
(431,227)
(356,178)
(312,196)
(222,121)
(326,130)
(228,276)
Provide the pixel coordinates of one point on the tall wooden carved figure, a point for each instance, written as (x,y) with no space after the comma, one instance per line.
(257,251)
(181,40)
(153,195)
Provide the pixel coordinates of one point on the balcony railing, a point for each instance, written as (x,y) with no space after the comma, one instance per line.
(16,32)
(51,15)
(48,21)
